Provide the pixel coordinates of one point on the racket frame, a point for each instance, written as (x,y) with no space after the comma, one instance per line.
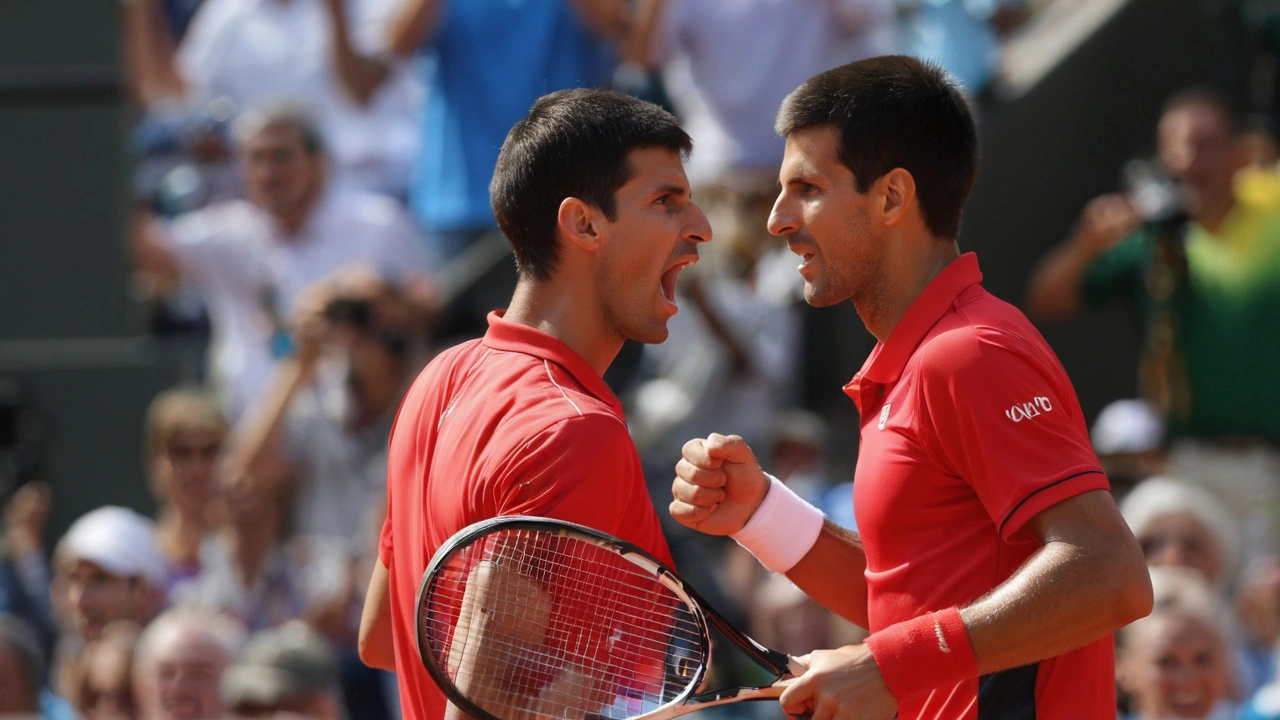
(703,614)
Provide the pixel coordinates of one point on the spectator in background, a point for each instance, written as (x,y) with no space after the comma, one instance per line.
(1128,436)
(184,434)
(112,568)
(328,434)
(244,572)
(1202,268)
(728,63)
(102,688)
(289,669)
(1177,662)
(1183,525)
(485,62)
(251,259)
(239,54)
(179,664)
(24,573)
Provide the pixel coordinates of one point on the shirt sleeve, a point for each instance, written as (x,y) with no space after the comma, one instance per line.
(1117,272)
(1002,415)
(200,246)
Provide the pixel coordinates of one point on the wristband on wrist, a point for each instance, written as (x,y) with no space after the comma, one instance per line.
(925,653)
(782,530)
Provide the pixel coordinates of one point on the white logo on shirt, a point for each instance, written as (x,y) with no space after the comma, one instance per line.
(1028,410)
(884,415)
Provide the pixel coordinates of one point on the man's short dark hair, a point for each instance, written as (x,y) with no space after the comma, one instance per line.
(895,112)
(573,143)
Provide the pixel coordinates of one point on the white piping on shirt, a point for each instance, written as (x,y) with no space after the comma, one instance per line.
(546,364)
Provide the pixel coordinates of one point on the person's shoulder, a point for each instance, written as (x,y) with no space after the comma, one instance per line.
(980,327)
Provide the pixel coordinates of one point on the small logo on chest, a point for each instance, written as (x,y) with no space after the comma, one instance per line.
(1025,411)
(884,416)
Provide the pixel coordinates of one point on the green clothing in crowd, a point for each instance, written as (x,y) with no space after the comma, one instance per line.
(1226,312)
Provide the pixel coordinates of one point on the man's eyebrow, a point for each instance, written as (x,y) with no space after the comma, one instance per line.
(672,189)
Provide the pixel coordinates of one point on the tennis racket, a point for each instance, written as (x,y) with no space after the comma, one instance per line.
(524,617)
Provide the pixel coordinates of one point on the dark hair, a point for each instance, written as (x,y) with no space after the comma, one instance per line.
(573,143)
(895,112)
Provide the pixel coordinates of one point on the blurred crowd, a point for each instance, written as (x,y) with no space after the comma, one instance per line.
(311,208)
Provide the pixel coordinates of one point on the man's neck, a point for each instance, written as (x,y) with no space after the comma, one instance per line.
(557,310)
(905,278)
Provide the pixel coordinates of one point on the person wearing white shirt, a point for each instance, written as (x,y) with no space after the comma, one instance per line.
(241,54)
(251,258)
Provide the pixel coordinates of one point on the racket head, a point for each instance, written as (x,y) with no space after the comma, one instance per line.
(591,626)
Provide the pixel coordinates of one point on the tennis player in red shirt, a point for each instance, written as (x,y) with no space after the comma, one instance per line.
(990,564)
(590,190)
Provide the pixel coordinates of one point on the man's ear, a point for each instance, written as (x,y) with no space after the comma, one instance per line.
(898,192)
(579,223)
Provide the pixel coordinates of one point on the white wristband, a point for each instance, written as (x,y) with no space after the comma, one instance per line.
(782,530)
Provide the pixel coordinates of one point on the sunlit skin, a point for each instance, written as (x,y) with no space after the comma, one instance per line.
(825,221)
(1181,540)
(655,234)
(97,598)
(1175,666)
(280,176)
(180,680)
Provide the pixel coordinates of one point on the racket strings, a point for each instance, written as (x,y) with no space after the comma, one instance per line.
(534,625)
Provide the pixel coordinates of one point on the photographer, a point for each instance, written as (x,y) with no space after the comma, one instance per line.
(250,259)
(323,421)
(1204,280)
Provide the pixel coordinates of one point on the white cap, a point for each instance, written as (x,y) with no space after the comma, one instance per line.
(119,540)
(1127,426)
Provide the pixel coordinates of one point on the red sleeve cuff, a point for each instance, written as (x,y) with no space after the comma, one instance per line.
(1074,483)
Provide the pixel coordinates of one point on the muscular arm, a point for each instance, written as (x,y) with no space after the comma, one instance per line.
(1089,579)
(375,643)
(832,574)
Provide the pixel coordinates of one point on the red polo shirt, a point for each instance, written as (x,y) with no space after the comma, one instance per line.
(970,427)
(513,424)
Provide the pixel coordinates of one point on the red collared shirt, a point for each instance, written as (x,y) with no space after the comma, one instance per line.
(516,423)
(970,427)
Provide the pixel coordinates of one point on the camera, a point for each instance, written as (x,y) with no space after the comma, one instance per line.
(355,312)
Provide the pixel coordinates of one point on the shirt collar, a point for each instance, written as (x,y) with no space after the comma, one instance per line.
(889,358)
(514,337)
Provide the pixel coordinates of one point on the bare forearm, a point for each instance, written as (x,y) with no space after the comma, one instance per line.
(832,573)
(1054,290)
(257,445)
(1079,587)
(375,644)
(149,53)
(360,75)
(415,22)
